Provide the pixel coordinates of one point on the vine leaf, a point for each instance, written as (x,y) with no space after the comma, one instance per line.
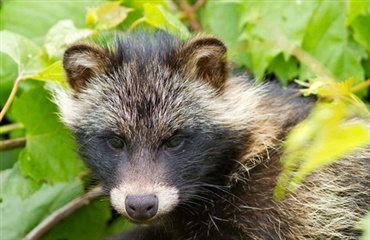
(361,29)
(52,73)
(84,223)
(106,16)
(335,128)
(159,17)
(26,213)
(23,52)
(49,154)
(13,182)
(61,35)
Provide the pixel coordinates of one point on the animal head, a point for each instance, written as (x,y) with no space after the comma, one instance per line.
(146,113)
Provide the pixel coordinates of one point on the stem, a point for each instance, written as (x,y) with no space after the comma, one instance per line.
(11,96)
(63,213)
(190,12)
(10,127)
(12,143)
(361,86)
(197,5)
(311,62)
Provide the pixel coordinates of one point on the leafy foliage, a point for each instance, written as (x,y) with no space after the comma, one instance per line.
(22,51)
(74,230)
(106,16)
(324,44)
(42,159)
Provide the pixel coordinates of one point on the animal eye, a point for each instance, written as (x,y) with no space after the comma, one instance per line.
(116,143)
(175,142)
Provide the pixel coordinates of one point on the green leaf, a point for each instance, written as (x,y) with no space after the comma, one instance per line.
(117,226)
(317,27)
(366,66)
(219,16)
(361,29)
(261,57)
(13,182)
(326,39)
(265,21)
(324,137)
(88,222)
(8,74)
(364,225)
(159,17)
(8,158)
(357,8)
(23,52)
(284,70)
(53,73)
(21,17)
(49,153)
(265,25)
(23,214)
(61,35)
(346,65)
(106,16)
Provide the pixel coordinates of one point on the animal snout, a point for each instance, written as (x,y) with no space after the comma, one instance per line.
(141,207)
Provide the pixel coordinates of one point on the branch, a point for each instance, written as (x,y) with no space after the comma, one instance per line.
(361,86)
(197,5)
(12,143)
(63,213)
(11,97)
(189,12)
(10,127)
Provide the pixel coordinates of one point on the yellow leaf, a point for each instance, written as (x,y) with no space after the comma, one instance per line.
(327,135)
(159,17)
(91,18)
(329,147)
(52,73)
(106,16)
(328,87)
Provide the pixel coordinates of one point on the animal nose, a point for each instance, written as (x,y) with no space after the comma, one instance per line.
(141,207)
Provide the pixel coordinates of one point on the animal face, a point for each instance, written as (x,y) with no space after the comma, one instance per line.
(141,114)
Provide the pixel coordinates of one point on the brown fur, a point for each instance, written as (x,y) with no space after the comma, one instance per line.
(150,87)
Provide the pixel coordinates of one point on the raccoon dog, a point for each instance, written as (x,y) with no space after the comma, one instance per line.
(187,151)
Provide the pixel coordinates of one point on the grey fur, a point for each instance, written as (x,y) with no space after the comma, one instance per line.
(152,85)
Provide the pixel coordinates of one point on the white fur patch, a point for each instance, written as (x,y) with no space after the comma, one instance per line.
(168,197)
(85,60)
(70,109)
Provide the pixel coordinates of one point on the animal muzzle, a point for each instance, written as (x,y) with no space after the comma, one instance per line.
(143,202)
(141,207)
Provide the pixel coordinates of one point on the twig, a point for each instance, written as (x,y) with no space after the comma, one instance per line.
(63,213)
(10,127)
(11,97)
(12,143)
(312,63)
(197,5)
(361,86)
(190,12)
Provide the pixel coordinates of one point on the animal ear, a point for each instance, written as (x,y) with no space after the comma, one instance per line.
(205,58)
(81,62)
